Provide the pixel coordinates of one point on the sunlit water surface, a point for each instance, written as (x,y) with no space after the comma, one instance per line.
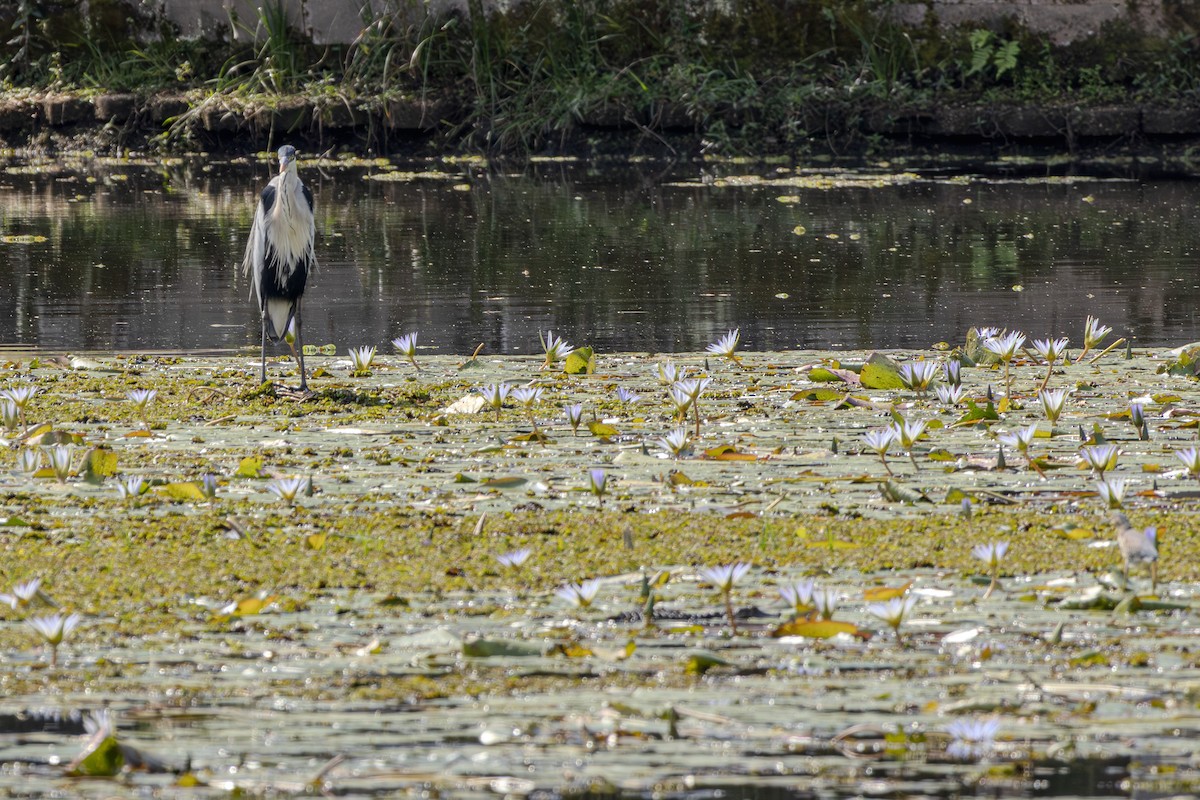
(122,256)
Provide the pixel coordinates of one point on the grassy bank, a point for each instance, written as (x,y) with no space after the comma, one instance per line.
(768,75)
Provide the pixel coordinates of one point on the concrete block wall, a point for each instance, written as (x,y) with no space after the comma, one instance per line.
(340,21)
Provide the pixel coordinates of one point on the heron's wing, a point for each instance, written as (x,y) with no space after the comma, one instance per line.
(256,247)
(312,250)
(307,195)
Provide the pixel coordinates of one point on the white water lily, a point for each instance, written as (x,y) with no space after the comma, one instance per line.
(1093,334)
(675,443)
(361,359)
(798,595)
(514,558)
(54,629)
(991,553)
(288,489)
(555,348)
(1100,457)
(597,483)
(574,414)
(881,441)
(1053,401)
(972,739)
(949,394)
(727,346)
(1005,348)
(1190,456)
(28,461)
(131,488)
(495,395)
(1112,492)
(141,399)
(406,346)
(723,578)
(893,612)
(60,456)
(22,594)
(918,375)
(579,595)
(668,373)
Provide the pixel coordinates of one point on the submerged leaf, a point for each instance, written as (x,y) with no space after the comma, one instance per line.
(814,628)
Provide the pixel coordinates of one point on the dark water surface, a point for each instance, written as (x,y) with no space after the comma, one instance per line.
(103,255)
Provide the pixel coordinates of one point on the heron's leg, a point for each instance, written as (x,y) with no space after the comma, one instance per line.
(300,347)
(264,345)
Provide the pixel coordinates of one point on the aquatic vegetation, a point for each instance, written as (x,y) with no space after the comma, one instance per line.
(627,395)
(675,443)
(288,489)
(1093,334)
(1050,351)
(574,415)
(406,346)
(361,359)
(208,485)
(1005,348)
(1022,440)
(495,394)
(597,484)
(1190,456)
(881,441)
(142,399)
(513,559)
(892,612)
(555,348)
(1112,492)
(727,346)
(528,396)
(1137,417)
(953,372)
(949,394)
(53,629)
(972,739)
(991,554)
(60,456)
(690,388)
(826,602)
(131,488)
(723,578)
(1100,457)
(10,414)
(799,596)
(19,396)
(1053,402)
(579,595)
(906,433)
(668,373)
(22,594)
(28,461)
(918,375)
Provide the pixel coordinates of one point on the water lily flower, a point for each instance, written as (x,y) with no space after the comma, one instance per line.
(967,509)
(1053,401)
(1100,457)
(991,553)
(360,361)
(917,375)
(1093,335)
(954,372)
(826,601)
(1112,491)
(727,346)
(579,595)
(691,388)
(287,489)
(881,441)
(141,399)
(528,396)
(950,394)
(893,612)
(799,595)
(1005,348)
(10,415)
(1137,416)
(723,578)
(208,485)
(1137,546)
(28,461)
(597,481)
(60,456)
(131,488)
(627,396)
(1021,439)
(1190,456)
(20,397)
(555,348)
(987,333)
(53,629)
(972,739)
(22,594)
(907,432)
(495,394)
(675,443)
(514,558)
(574,413)
(668,373)
(1049,350)
(681,401)
(406,345)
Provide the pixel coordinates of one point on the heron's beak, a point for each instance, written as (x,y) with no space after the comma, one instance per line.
(283,164)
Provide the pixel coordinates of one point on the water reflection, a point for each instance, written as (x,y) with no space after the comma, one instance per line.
(143,257)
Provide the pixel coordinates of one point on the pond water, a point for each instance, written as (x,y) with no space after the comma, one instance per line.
(102,254)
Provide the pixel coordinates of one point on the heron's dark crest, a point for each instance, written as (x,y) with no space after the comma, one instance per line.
(280,255)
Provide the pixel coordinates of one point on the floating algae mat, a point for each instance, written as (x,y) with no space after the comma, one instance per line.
(396,586)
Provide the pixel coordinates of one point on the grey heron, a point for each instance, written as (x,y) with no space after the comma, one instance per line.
(280,255)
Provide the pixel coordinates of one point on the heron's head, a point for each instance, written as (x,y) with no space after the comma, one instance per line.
(287,157)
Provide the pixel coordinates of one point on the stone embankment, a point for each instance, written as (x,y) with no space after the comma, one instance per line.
(135,119)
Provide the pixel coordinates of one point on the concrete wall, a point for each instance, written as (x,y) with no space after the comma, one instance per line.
(340,21)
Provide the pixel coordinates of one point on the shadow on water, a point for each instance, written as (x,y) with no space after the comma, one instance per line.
(124,256)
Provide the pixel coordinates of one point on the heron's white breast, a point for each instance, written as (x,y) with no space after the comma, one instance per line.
(290,228)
